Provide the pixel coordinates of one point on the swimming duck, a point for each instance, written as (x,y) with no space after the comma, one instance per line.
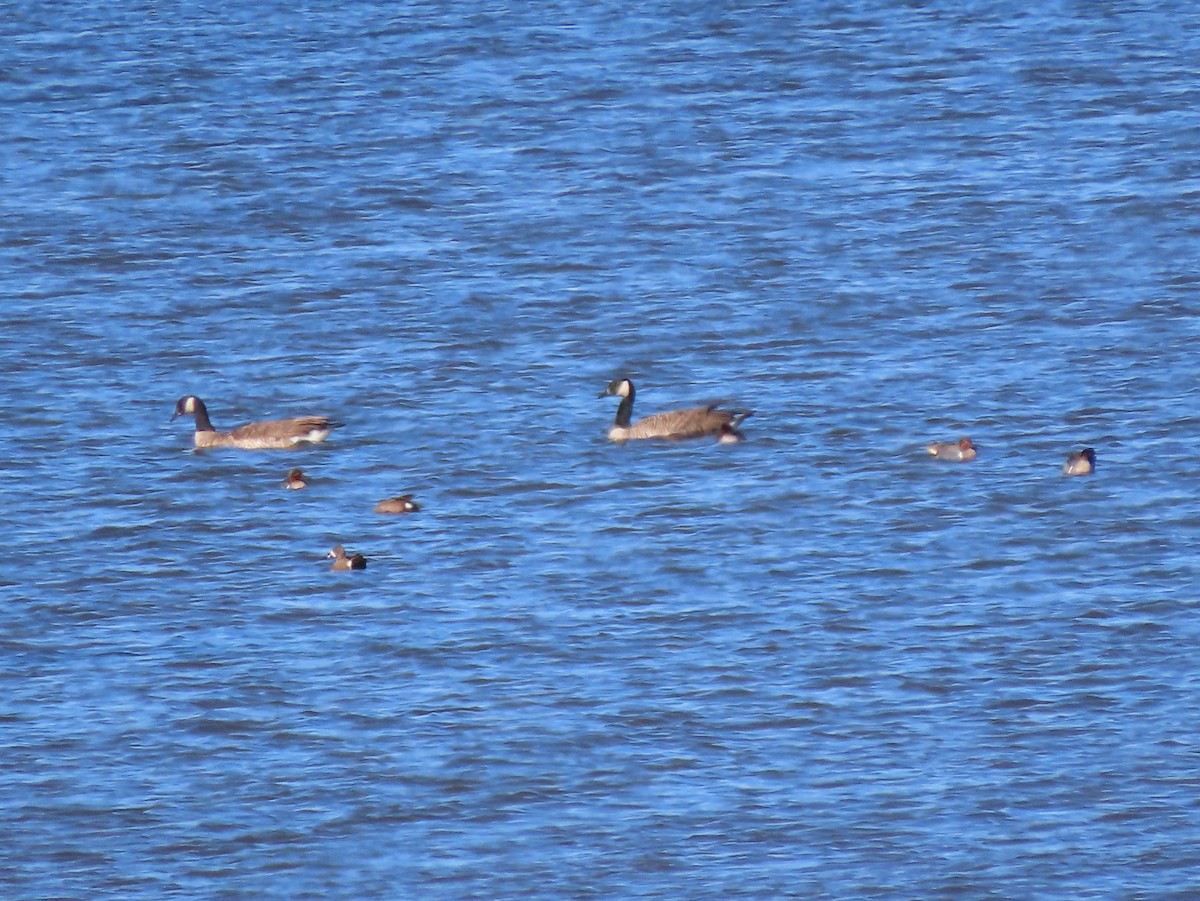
(402,504)
(729,435)
(693,422)
(1080,463)
(962,449)
(277,433)
(295,480)
(341,561)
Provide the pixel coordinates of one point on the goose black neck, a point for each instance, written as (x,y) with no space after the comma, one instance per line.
(203,423)
(625,410)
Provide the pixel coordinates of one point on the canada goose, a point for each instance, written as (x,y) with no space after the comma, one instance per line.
(295,480)
(341,561)
(1080,463)
(277,433)
(962,449)
(402,504)
(690,423)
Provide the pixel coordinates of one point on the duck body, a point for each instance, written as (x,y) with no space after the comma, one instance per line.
(1080,463)
(343,561)
(272,434)
(693,422)
(402,504)
(295,480)
(729,435)
(961,450)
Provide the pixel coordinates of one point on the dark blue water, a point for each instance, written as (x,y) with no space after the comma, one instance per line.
(816,664)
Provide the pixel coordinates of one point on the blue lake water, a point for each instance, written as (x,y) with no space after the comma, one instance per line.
(815,664)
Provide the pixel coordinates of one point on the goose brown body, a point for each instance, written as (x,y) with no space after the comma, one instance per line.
(272,434)
(693,422)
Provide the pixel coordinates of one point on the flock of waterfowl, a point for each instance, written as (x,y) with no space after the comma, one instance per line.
(281,434)
(1079,463)
(693,422)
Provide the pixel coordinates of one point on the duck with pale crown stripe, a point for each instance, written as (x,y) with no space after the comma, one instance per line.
(342,560)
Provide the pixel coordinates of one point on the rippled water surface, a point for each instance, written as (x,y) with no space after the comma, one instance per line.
(815,664)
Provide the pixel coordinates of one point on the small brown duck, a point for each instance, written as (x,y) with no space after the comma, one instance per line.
(402,504)
(1080,463)
(961,450)
(295,480)
(276,433)
(341,561)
